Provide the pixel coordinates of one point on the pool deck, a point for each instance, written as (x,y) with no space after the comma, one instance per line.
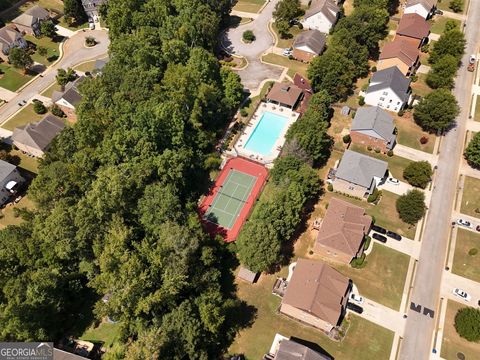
(291,116)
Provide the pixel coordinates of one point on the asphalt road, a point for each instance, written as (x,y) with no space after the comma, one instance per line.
(74,52)
(425,294)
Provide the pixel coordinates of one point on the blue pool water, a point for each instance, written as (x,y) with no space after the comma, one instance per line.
(266,133)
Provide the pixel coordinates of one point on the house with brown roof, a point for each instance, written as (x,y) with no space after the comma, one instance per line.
(342,232)
(424,8)
(316,295)
(414,29)
(9,39)
(284,94)
(29,21)
(308,44)
(400,53)
(321,15)
(68,99)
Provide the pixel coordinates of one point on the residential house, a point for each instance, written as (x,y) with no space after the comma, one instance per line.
(342,232)
(321,15)
(400,53)
(64,355)
(388,89)
(316,295)
(359,174)
(10,180)
(304,84)
(9,39)
(35,138)
(68,99)
(284,94)
(308,44)
(375,127)
(29,22)
(414,29)
(289,349)
(424,8)
(92,7)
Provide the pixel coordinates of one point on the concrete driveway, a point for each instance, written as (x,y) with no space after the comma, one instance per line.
(74,52)
(256,71)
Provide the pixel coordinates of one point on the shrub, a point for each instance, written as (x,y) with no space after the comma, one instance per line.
(401,112)
(359,263)
(472,152)
(373,197)
(248,36)
(361,100)
(390,153)
(368,240)
(290,57)
(42,51)
(374,69)
(330,187)
(414,78)
(346,139)
(411,206)
(456,5)
(467,323)
(369,148)
(423,140)
(55,110)
(243,112)
(425,48)
(39,108)
(418,173)
(377,150)
(473,251)
(90,41)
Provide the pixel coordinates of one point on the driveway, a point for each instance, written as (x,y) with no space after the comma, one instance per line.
(74,52)
(399,189)
(256,71)
(63,31)
(382,315)
(414,155)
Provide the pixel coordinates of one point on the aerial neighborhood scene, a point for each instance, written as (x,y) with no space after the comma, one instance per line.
(240,179)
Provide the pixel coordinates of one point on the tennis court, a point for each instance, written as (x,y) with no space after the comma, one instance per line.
(230,199)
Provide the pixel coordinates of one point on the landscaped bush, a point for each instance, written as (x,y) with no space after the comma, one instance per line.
(369,147)
(243,112)
(414,78)
(373,197)
(423,140)
(374,69)
(39,108)
(401,112)
(248,36)
(472,152)
(346,139)
(390,153)
(411,206)
(418,173)
(90,41)
(330,187)
(467,323)
(377,150)
(361,100)
(456,5)
(368,240)
(358,263)
(473,251)
(55,110)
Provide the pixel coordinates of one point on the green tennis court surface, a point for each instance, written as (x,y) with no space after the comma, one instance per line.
(230,199)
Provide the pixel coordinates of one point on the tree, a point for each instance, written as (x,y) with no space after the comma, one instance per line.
(287,10)
(472,151)
(65,76)
(467,323)
(73,9)
(248,36)
(411,206)
(436,111)
(39,108)
(442,72)
(232,88)
(418,173)
(450,43)
(42,51)
(451,25)
(283,28)
(456,5)
(47,28)
(20,58)
(55,110)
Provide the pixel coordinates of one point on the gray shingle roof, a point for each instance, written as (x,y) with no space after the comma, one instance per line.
(291,350)
(39,135)
(376,119)
(71,93)
(313,39)
(38,12)
(391,78)
(5,169)
(428,5)
(360,169)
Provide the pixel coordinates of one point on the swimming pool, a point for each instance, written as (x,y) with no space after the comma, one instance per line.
(266,133)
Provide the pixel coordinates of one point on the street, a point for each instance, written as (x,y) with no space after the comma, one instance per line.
(425,295)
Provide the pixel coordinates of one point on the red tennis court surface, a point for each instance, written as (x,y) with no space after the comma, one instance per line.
(227,205)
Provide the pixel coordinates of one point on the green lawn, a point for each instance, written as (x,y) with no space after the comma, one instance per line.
(444,5)
(476,116)
(52,49)
(364,340)
(87,66)
(25,116)
(420,86)
(11,78)
(464,264)
(452,342)
(7,213)
(471,197)
(48,92)
(287,43)
(252,6)
(293,66)
(106,333)
(439,24)
(409,133)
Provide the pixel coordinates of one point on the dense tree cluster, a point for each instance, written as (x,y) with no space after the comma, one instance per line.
(418,173)
(436,111)
(116,196)
(353,41)
(472,151)
(467,323)
(411,206)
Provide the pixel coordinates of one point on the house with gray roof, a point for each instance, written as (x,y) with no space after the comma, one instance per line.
(92,7)
(388,89)
(308,44)
(292,350)
(29,21)
(68,99)
(373,127)
(359,174)
(35,138)
(10,38)
(10,180)
(424,8)
(321,15)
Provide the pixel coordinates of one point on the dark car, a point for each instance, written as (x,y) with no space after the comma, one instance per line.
(379,229)
(394,235)
(438,12)
(380,238)
(478,228)
(354,307)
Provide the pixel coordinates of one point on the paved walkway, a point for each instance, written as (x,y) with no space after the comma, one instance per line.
(415,155)
(423,69)
(63,31)
(6,95)
(434,37)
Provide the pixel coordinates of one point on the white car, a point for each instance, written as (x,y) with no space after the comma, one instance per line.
(356,298)
(287,52)
(393,181)
(91,26)
(461,294)
(465,223)
(472,59)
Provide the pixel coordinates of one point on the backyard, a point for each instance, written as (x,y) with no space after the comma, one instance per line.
(465,264)
(438,26)
(409,133)
(287,43)
(452,343)
(25,116)
(7,213)
(252,6)
(12,79)
(106,333)
(293,66)
(471,197)
(51,46)
(364,340)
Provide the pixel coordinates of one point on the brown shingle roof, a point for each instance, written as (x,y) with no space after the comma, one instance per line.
(413,25)
(283,93)
(344,227)
(318,289)
(401,49)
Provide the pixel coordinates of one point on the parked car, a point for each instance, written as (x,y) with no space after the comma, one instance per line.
(354,307)
(472,59)
(461,294)
(379,237)
(379,229)
(287,52)
(356,298)
(393,181)
(463,222)
(394,235)
(438,12)
(477,228)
